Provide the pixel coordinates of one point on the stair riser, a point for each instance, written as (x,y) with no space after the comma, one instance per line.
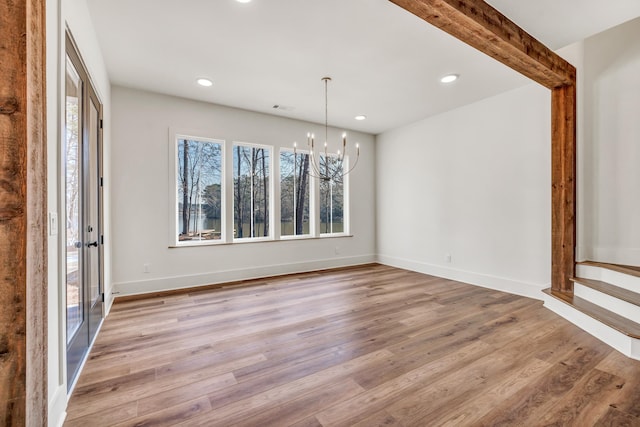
(628,346)
(621,280)
(623,308)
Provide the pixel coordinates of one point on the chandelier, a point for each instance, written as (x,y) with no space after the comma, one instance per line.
(328,166)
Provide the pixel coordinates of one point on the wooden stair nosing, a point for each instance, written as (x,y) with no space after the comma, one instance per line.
(610,289)
(626,269)
(607,317)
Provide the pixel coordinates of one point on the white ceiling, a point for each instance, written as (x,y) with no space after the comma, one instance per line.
(385,63)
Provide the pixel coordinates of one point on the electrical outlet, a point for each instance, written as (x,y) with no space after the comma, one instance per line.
(337,250)
(447,257)
(147,268)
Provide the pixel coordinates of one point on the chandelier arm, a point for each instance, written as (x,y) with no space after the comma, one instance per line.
(314,165)
(354,165)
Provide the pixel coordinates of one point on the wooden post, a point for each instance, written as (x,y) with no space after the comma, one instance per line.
(23,245)
(563,188)
(479,25)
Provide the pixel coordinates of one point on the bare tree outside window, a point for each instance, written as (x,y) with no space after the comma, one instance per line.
(199,190)
(251,191)
(331,196)
(294,193)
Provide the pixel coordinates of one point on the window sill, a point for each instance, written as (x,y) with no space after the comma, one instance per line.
(245,241)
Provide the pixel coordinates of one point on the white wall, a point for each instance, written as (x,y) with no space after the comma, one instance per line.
(610,150)
(141,215)
(74,15)
(473,183)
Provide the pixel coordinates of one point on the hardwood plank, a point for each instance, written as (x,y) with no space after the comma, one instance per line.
(578,408)
(458,388)
(618,364)
(157,382)
(380,419)
(534,400)
(239,409)
(307,405)
(628,398)
(393,348)
(171,416)
(116,414)
(307,422)
(179,395)
(615,418)
(399,388)
(476,406)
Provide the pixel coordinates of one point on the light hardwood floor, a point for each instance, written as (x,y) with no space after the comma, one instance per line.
(364,346)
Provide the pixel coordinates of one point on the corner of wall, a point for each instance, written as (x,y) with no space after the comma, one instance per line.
(496,283)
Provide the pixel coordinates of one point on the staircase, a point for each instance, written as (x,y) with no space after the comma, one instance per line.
(605,303)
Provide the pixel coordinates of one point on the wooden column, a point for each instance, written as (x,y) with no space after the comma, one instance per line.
(563,187)
(483,27)
(23,270)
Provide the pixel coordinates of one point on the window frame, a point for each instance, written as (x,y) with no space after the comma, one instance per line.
(312,205)
(271,205)
(175,137)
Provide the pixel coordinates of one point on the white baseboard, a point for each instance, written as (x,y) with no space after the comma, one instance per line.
(108,300)
(215,277)
(58,407)
(511,286)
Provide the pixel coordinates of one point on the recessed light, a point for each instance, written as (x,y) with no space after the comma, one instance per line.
(243,1)
(204,82)
(360,117)
(449,78)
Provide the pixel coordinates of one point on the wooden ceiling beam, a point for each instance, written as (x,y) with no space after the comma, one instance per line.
(484,28)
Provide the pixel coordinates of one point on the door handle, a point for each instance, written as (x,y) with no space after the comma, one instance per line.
(94,244)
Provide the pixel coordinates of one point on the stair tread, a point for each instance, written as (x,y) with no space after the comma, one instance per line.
(626,269)
(610,289)
(609,318)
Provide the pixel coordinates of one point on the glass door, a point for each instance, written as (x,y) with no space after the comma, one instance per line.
(82,215)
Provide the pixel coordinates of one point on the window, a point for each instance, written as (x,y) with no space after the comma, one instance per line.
(332,210)
(294,193)
(251,191)
(224,193)
(199,184)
